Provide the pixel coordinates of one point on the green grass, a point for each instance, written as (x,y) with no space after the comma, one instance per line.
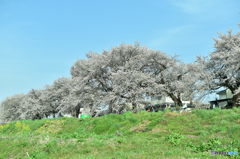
(165,135)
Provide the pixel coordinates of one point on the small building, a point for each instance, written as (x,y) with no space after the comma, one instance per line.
(223,101)
(162,102)
(166,100)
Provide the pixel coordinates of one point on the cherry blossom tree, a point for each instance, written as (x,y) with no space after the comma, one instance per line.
(222,68)
(128,72)
(9,108)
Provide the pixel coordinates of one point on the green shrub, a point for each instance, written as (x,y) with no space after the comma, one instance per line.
(174,138)
(212,144)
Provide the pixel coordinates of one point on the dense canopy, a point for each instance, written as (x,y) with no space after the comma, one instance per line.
(120,80)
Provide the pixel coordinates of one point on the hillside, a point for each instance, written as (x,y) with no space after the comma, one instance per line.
(142,135)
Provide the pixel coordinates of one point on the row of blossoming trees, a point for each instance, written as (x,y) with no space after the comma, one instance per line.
(121,78)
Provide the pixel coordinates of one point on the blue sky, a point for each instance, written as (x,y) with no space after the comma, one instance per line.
(41,40)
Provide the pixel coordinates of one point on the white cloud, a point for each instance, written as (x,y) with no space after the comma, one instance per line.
(193,6)
(207,8)
(170,36)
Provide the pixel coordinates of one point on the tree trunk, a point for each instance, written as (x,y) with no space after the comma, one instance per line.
(77,110)
(111,105)
(236,99)
(177,101)
(134,108)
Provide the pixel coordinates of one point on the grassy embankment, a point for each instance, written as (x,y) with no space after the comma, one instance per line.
(142,135)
